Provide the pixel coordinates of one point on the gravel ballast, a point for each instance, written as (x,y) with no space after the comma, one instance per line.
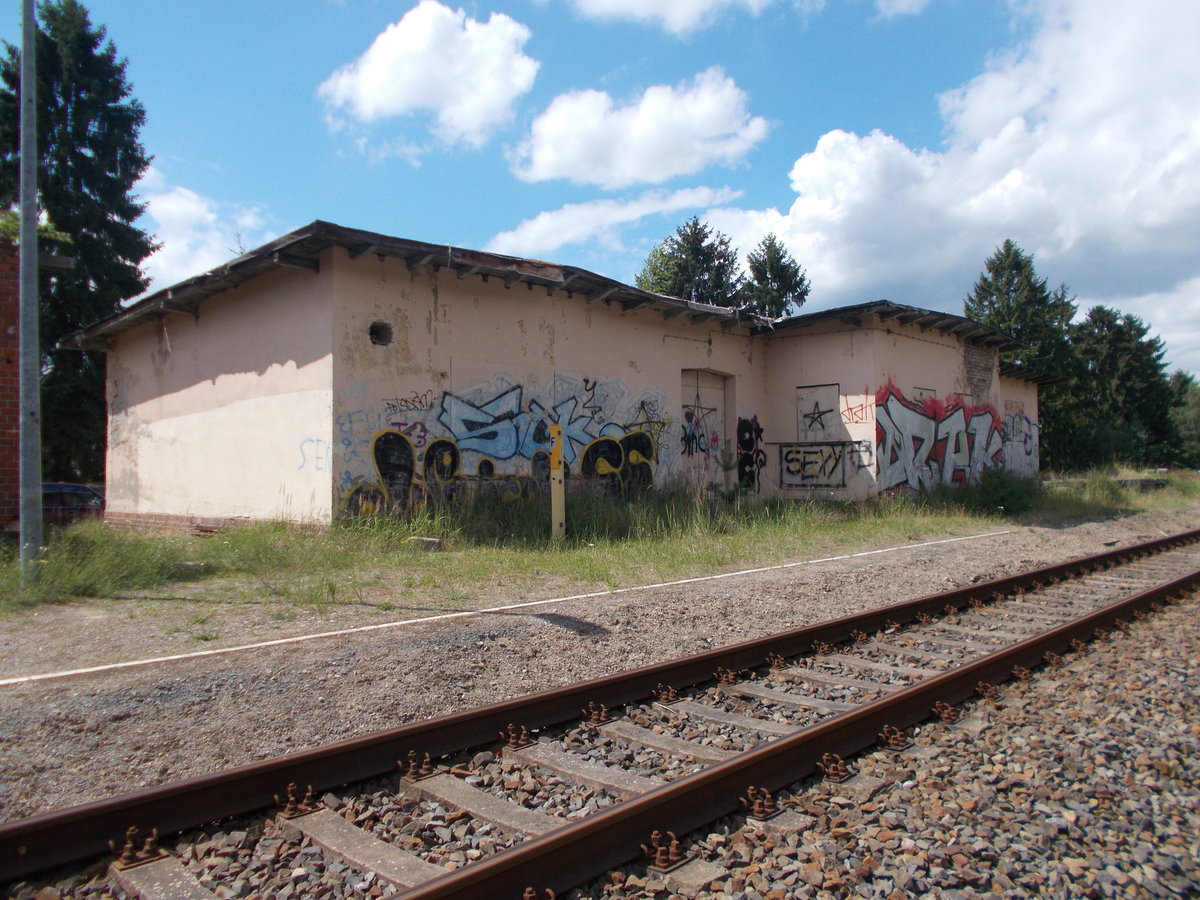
(1031,796)
(86,737)
(1084,782)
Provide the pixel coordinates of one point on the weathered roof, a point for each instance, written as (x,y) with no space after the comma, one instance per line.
(300,249)
(965,329)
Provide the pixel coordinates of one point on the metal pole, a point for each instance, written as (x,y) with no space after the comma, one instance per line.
(30,359)
(558,502)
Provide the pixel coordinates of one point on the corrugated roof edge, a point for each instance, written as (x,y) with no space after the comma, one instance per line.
(926,319)
(299,249)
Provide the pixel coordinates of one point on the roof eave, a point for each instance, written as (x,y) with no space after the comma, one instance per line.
(299,249)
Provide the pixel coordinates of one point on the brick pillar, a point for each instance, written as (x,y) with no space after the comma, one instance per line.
(10,443)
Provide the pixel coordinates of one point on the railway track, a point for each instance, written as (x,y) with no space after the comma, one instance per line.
(547,791)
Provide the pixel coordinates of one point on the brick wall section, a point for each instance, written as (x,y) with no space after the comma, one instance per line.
(10,390)
(979,363)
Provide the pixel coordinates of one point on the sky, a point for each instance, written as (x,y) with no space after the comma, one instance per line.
(891,145)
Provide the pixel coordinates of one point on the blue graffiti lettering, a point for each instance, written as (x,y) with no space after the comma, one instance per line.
(490,428)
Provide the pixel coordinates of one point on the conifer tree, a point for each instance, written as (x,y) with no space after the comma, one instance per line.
(695,263)
(90,159)
(1122,383)
(1011,297)
(777,283)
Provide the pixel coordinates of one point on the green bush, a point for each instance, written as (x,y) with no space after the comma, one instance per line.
(1003,492)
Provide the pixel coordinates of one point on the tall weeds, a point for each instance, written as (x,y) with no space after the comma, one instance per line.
(661,534)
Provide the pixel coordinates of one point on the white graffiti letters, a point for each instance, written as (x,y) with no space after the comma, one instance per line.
(922,446)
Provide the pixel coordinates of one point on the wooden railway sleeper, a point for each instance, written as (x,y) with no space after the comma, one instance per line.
(1153,604)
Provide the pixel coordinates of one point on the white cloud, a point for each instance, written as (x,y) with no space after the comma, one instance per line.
(196,232)
(598,221)
(1082,145)
(584,137)
(467,74)
(889,9)
(1174,316)
(679,16)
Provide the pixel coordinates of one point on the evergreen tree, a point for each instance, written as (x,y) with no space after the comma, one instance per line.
(695,263)
(90,158)
(1011,297)
(1123,385)
(1185,418)
(776,280)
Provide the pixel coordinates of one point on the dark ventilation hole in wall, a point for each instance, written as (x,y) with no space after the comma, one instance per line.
(380,333)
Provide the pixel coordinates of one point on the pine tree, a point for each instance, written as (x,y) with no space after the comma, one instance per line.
(1123,385)
(1011,297)
(695,263)
(1185,418)
(777,283)
(90,159)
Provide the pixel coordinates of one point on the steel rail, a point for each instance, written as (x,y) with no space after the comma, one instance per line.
(571,855)
(81,832)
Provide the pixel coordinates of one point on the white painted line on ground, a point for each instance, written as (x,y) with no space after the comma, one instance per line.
(48,676)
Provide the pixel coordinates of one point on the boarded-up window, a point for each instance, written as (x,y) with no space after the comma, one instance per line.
(818,415)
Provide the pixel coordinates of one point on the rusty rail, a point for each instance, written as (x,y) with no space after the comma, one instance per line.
(80,832)
(571,855)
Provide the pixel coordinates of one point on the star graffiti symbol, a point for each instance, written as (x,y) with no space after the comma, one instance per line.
(816,418)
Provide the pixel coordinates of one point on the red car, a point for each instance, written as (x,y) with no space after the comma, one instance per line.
(63,503)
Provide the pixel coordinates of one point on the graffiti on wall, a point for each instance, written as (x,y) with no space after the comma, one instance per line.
(442,449)
(315,454)
(699,433)
(926,443)
(818,412)
(751,457)
(1021,441)
(822,464)
(411,402)
(855,413)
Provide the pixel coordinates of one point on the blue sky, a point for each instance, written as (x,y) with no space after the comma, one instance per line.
(891,144)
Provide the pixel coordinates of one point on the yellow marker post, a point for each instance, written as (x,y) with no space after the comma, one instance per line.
(558,495)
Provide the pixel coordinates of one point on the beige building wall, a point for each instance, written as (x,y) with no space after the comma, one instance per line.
(447,384)
(226,413)
(370,385)
(1022,433)
(869,406)
(820,401)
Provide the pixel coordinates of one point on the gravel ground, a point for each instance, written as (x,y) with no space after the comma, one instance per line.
(86,737)
(1026,797)
(1029,796)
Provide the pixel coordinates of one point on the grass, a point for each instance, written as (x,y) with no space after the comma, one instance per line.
(496,542)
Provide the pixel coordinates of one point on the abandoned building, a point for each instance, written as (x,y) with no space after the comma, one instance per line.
(335,371)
